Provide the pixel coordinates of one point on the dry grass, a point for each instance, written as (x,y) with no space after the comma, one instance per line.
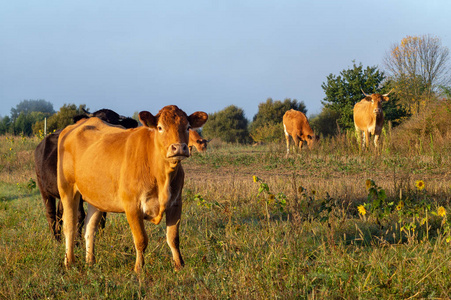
(238,243)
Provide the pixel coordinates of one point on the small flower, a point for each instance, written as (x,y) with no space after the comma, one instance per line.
(255,178)
(301,189)
(313,192)
(441,211)
(368,183)
(361,210)
(400,205)
(419,184)
(10,149)
(271,197)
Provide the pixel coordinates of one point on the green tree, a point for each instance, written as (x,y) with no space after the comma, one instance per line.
(28,106)
(5,125)
(229,125)
(325,122)
(60,119)
(345,90)
(271,112)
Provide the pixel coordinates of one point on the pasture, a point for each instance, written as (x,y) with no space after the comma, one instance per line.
(332,222)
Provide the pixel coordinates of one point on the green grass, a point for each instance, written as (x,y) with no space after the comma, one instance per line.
(238,243)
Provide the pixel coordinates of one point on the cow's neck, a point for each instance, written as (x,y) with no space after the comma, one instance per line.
(165,172)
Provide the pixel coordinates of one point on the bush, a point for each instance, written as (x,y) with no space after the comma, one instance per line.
(268,133)
(326,122)
(229,125)
(428,130)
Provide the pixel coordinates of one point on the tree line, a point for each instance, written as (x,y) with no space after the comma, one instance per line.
(416,69)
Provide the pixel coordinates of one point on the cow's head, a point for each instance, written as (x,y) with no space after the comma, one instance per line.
(201,145)
(171,126)
(197,141)
(375,101)
(311,140)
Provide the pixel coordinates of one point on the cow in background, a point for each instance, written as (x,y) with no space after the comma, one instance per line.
(296,125)
(369,117)
(109,116)
(137,172)
(46,157)
(197,141)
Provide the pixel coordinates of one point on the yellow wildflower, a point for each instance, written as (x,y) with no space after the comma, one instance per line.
(10,149)
(400,205)
(313,192)
(300,190)
(361,210)
(255,178)
(441,211)
(271,197)
(368,183)
(419,184)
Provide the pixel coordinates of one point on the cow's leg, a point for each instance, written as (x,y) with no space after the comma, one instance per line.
(70,203)
(296,142)
(358,134)
(377,133)
(81,218)
(301,143)
(287,137)
(59,217)
(51,214)
(103,220)
(92,220)
(173,216)
(367,138)
(136,221)
(376,140)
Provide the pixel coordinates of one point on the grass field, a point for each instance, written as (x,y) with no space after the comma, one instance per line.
(334,223)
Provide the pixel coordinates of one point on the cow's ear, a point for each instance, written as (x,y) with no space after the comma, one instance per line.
(197,119)
(385,98)
(368,98)
(147,119)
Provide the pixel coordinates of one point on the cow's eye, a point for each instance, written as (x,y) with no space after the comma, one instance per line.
(160,128)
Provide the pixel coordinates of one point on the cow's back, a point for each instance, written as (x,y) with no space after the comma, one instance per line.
(295,123)
(95,152)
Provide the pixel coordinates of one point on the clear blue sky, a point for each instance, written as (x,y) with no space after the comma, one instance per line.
(200,55)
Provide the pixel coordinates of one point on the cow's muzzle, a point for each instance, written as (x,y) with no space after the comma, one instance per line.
(177,152)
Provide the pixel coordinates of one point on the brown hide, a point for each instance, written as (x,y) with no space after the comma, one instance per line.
(45,157)
(197,141)
(369,117)
(296,125)
(136,172)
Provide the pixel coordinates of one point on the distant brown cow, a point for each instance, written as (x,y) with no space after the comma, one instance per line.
(197,141)
(295,124)
(369,117)
(135,171)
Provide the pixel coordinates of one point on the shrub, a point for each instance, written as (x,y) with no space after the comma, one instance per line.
(428,130)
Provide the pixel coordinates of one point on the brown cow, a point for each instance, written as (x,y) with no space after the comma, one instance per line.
(197,141)
(295,123)
(136,171)
(369,117)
